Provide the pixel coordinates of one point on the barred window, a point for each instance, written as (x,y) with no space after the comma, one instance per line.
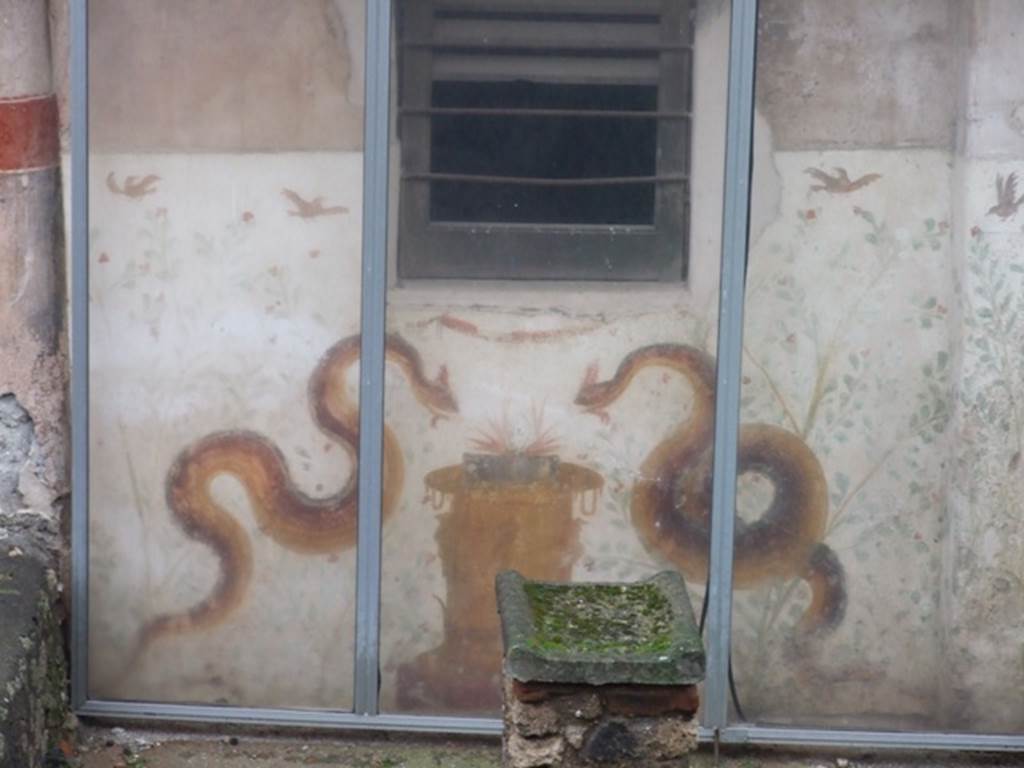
(544,140)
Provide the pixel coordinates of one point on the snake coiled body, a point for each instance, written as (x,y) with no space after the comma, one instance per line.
(671,502)
(283,512)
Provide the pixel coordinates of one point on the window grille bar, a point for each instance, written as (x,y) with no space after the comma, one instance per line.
(626,12)
(371,366)
(533,181)
(735,231)
(635,114)
(567,48)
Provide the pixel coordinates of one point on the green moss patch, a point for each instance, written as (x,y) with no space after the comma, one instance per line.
(615,619)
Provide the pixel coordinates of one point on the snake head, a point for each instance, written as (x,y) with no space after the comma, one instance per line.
(585,391)
(594,396)
(442,403)
(442,377)
(445,397)
(589,395)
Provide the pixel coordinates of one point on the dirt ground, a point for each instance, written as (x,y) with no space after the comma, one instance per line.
(119,748)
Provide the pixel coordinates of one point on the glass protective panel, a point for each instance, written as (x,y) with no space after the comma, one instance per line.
(552,322)
(879,558)
(226,192)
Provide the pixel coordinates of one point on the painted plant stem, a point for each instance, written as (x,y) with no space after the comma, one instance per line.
(1006,368)
(875,468)
(787,412)
(826,360)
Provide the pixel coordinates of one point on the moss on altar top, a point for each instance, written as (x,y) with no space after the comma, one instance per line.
(642,632)
(600,618)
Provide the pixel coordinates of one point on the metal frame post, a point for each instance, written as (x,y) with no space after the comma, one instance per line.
(371,365)
(79,108)
(735,230)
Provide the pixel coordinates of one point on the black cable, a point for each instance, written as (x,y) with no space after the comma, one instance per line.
(732,680)
(732,692)
(703,609)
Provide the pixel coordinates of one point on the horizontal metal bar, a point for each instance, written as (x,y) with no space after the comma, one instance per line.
(561,49)
(480,726)
(300,718)
(529,181)
(813,737)
(623,11)
(634,114)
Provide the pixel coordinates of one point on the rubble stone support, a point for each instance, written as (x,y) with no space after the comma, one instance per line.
(611,726)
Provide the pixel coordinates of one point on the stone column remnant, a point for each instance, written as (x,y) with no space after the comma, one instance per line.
(33,377)
(33,373)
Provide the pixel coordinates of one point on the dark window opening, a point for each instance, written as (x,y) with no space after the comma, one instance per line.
(542,148)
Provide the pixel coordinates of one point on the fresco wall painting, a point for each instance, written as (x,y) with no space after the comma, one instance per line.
(567,433)
(224,262)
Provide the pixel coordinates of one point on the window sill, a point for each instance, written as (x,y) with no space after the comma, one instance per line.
(576,296)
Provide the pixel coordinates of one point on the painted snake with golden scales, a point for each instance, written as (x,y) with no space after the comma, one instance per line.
(294,520)
(671,502)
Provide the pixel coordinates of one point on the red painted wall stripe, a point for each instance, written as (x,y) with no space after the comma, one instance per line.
(28,133)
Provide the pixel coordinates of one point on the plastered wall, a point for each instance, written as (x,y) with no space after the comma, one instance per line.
(982,588)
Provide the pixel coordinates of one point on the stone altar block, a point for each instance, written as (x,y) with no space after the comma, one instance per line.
(599,674)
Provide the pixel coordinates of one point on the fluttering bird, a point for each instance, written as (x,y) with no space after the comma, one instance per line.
(133,186)
(1007,201)
(840,183)
(310,209)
